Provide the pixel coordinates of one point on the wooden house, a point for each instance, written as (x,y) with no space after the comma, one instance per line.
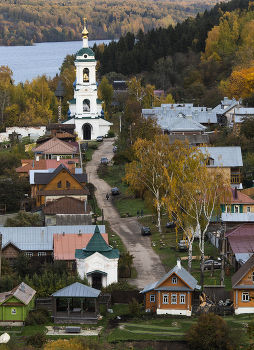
(172,294)
(16,304)
(55,148)
(228,161)
(243,287)
(240,203)
(50,186)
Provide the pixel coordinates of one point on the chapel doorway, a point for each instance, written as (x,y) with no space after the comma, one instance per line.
(97,283)
(86,132)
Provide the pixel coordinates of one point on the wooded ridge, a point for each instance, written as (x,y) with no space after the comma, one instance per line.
(24,22)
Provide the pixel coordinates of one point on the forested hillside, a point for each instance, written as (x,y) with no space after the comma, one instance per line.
(23,22)
(200,60)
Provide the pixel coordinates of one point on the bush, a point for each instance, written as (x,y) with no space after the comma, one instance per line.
(118,286)
(37,339)
(135,309)
(93,145)
(36,317)
(111,133)
(211,332)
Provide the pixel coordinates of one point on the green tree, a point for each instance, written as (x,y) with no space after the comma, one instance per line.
(6,88)
(105,93)
(23,219)
(211,332)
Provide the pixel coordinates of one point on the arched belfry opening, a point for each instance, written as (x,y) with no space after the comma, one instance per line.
(87,131)
(86,105)
(85,75)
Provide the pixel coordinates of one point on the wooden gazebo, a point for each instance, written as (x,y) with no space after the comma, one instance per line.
(76,303)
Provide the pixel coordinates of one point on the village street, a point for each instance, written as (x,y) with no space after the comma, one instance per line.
(146,261)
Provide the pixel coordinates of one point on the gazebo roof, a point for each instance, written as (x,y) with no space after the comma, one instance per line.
(77,290)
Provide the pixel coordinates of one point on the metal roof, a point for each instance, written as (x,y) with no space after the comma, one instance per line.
(180,272)
(236,278)
(77,290)
(41,238)
(22,292)
(224,156)
(55,146)
(66,245)
(237,217)
(67,205)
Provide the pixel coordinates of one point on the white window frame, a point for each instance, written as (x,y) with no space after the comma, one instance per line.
(152,298)
(236,209)
(174,280)
(248,209)
(165,298)
(246,296)
(13,311)
(29,254)
(182,299)
(174,298)
(228,209)
(42,253)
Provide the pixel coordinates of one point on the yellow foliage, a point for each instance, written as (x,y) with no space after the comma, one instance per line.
(64,344)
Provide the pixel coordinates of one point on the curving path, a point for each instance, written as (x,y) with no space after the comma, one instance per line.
(146,261)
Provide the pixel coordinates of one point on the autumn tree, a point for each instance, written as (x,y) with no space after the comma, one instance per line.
(146,173)
(193,194)
(6,88)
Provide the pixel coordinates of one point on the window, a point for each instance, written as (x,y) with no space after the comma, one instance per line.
(13,311)
(68,185)
(173,299)
(235,178)
(236,209)
(152,298)
(210,161)
(248,210)
(245,296)
(182,299)
(253,276)
(165,298)
(59,184)
(29,254)
(228,209)
(42,253)
(174,280)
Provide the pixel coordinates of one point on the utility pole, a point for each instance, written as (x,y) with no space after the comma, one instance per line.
(222,274)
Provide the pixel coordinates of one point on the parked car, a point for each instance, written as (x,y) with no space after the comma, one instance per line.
(114,149)
(99,138)
(114,191)
(170,224)
(209,263)
(145,231)
(104,160)
(182,245)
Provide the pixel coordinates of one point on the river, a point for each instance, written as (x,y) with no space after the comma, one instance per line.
(28,62)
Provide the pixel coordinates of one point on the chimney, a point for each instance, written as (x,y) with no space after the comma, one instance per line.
(57,158)
(235,193)
(178,263)
(63,233)
(22,287)
(79,233)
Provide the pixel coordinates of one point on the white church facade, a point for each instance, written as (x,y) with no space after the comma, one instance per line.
(85,109)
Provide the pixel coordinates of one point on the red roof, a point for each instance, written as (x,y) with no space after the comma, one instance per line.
(67,205)
(44,164)
(241,238)
(66,245)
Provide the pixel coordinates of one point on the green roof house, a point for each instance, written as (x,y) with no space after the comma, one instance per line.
(16,304)
(98,261)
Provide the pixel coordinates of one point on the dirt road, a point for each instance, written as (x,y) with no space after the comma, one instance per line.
(146,261)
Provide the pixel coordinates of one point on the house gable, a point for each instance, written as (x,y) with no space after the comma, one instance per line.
(173,280)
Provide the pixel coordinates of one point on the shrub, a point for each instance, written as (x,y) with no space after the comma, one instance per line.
(36,317)
(135,309)
(123,285)
(37,339)
(111,133)
(93,145)
(211,332)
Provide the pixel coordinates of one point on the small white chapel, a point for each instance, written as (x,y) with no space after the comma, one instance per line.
(85,109)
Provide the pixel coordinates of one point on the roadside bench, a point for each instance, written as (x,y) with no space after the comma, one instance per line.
(72,329)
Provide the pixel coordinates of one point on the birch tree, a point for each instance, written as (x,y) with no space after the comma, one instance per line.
(194,194)
(6,88)
(146,173)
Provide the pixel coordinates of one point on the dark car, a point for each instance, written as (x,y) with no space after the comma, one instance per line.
(208,264)
(104,160)
(99,138)
(145,231)
(114,149)
(114,191)
(170,224)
